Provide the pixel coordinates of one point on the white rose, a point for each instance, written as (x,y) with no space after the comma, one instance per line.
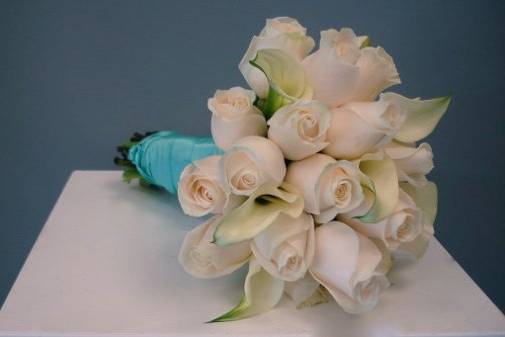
(361,127)
(300,129)
(377,72)
(412,164)
(279,33)
(200,190)
(306,292)
(344,43)
(234,116)
(203,259)
(252,162)
(286,248)
(328,186)
(346,263)
(342,71)
(403,225)
(331,70)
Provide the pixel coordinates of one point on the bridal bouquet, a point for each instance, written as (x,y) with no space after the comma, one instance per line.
(314,178)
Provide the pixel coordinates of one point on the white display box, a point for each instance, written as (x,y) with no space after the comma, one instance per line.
(105,264)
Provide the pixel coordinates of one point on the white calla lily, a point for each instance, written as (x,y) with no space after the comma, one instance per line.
(300,129)
(286,78)
(381,181)
(203,259)
(422,116)
(234,116)
(251,162)
(346,263)
(282,33)
(262,292)
(258,212)
(286,248)
(328,186)
(412,163)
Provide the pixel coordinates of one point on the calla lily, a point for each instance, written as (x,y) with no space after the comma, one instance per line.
(286,79)
(412,164)
(380,178)
(262,293)
(257,213)
(422,115)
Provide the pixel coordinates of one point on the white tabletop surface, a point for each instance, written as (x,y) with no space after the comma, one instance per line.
(105,264)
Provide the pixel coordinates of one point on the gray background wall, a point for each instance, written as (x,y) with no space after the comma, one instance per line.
(77,77)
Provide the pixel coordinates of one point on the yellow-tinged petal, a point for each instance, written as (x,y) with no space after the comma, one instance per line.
(426,198)
(262,293)
(257,213)
(422,115)
(286,78)
(382,177)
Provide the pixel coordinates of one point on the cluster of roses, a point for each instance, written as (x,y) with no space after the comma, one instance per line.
(321,179)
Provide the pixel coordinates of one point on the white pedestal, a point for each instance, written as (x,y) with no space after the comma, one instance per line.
(105,264)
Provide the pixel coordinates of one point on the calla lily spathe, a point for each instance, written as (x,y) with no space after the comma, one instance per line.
(282,33)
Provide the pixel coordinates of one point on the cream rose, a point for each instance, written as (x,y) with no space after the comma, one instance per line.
(331,70)
(343,71)
(201,191)
(234,116)
(346,264)
(279,33)
(358,128)
(306,292)
(203,259)
(250,163)
(403,225)
(377,72)
(328,186)
(300,129)
(286,248)
(412,163)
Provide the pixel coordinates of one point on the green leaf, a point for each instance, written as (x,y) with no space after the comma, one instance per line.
(382,182)
(422,115)
(365,41)
(130,174)
(258,212)
(286,79)
(262,293)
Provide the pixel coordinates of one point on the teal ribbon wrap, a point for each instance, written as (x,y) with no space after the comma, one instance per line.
(161,157)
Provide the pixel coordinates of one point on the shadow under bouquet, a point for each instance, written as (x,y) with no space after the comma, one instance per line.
(314,178)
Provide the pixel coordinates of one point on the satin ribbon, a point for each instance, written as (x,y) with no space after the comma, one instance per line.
(161,157)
